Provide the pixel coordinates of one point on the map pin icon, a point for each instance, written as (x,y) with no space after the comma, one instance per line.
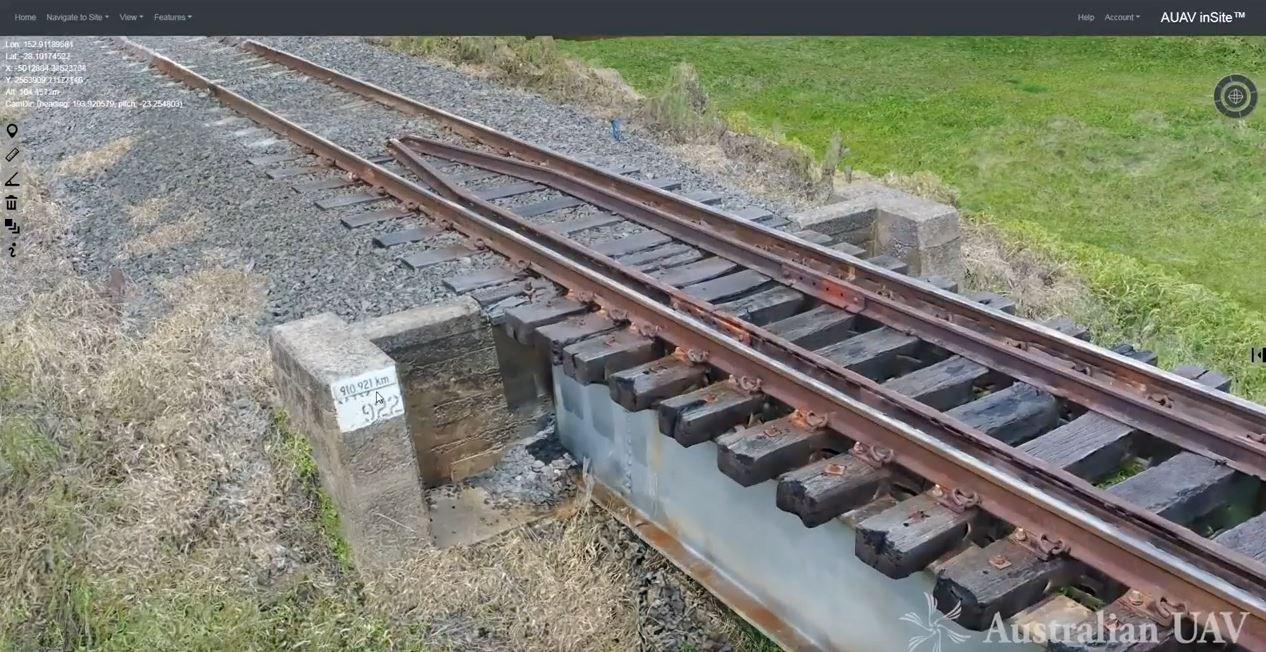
(12,129)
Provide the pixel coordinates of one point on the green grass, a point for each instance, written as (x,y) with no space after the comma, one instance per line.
(750,639)
(1129,469)
(177,608)
(104,616)
(1111,142)
(25,451)
(1149,306)
(295,450)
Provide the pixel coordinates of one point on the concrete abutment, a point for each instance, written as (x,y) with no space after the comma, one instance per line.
(399,404)
(882,221)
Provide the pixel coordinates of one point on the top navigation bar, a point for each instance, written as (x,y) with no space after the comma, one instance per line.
(631,17)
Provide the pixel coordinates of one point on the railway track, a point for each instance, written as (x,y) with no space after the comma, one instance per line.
(951,433)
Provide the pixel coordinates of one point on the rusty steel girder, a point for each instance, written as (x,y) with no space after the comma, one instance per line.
(1135,547)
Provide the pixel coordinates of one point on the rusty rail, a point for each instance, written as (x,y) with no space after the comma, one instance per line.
(1137,548)
(1214,424)
(891,404)
(792,271)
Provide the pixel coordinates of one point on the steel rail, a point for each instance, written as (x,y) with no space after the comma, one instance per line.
(899,408)
(1140,549)
(1187,414)
(800,276)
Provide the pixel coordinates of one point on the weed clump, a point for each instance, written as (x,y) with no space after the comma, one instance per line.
(680,110)
(533,63)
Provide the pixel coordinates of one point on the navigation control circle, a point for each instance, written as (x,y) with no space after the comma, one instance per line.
(1235,96)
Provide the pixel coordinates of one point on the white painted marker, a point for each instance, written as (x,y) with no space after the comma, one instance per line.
(361,401)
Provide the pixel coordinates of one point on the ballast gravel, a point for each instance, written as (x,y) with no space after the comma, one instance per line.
(187,166)
(191,159)
(562,128)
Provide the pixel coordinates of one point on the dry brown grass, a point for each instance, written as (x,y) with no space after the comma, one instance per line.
(1041,286)
(44,225)
(150,498)
(681,110)
(755,175)
(165,236)
(97,160)
(923,184)
(147,213)
(557,585)
(139,437)
(535,64)
(552,586)
(765,160)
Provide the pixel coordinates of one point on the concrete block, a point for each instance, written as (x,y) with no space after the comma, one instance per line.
(920,222)
(462,377)
(464,392)
(525,371)
(816,237)
(943,260)
(474,464)
(947,284)
(923,233)
(890,263)
(421,325)
(849,248)
(431,333)
(864,238)
(838,218)
(344,394)
(453,462)
(475,406)
(885,221)
(430,436)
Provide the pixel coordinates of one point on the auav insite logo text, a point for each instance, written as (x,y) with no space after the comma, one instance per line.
(938,629)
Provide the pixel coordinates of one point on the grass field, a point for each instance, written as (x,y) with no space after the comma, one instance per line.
(1114,143)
